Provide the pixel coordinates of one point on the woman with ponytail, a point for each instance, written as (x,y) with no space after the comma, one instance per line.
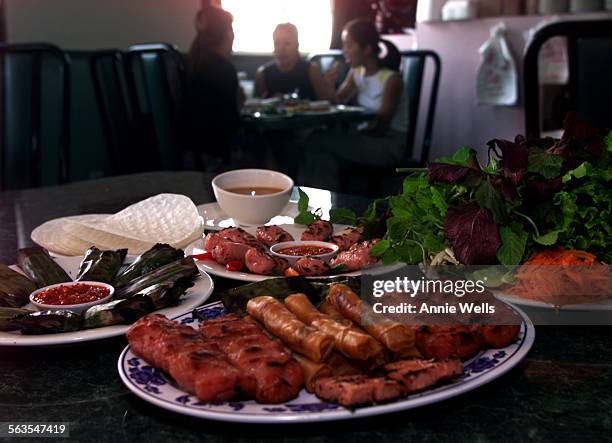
(213,98)
(374,83)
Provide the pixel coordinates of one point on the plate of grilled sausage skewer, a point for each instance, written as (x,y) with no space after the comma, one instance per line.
(248,254)
(295,357)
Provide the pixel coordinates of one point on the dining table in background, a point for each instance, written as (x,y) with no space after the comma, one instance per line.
(561,390)
(310,120)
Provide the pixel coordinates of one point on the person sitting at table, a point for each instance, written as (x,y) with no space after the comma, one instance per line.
(289,72)
(376,85)
(213,96)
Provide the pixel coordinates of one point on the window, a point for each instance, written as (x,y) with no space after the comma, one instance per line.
(254,22)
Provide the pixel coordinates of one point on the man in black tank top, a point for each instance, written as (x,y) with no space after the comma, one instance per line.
(289,72)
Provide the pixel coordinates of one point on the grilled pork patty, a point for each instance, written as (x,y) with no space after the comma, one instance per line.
(397,380)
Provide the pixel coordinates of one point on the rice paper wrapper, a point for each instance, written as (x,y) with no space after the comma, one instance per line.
(164,218)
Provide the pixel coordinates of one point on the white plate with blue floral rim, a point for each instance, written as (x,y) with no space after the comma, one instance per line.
(214,268)
(195,296)
(154,386)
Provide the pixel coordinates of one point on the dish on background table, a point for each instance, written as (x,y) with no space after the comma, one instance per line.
(155,387)
(195,296)
(214,268)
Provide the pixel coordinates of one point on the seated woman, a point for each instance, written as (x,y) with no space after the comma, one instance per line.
(213,98)
(289,72)
(374,84)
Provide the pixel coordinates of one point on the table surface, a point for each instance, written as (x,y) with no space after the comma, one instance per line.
(303,121)
(560,391)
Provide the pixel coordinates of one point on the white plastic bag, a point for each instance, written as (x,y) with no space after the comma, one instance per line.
(497,78)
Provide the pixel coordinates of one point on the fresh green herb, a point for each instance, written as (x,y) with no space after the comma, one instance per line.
(305,217)
(531,194)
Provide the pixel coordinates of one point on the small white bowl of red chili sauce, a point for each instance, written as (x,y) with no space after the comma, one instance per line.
(292,251)
(76,296)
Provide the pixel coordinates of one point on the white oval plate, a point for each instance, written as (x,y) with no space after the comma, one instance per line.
(195,296)
(153,386)
(604,305)
(219,270)
(215,218)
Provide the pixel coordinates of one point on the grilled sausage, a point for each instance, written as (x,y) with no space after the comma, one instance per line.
(259,262)
(227,251)
(270,235)
(498,336)
(443,342)
(320,230)
(311,267)
(347,238)
(356,257)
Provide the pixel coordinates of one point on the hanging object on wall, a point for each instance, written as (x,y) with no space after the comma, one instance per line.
(394,16)
(460,10)
(429,10)
(497,78)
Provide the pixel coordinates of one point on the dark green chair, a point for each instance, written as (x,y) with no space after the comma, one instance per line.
(325,61)
(34,116)
(125,145)
(156,83)
(589,44)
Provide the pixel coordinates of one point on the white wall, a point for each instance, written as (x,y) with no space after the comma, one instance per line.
(95,24)
(459,120)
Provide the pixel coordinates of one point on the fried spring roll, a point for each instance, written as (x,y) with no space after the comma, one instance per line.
(301,338)
(350,342)
(340,365)
(396,337)
(312,371)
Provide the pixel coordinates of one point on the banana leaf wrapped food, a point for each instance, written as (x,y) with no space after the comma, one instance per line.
(48,322)
(8,316)
(159,255)
(235,299)
(15,288)
(40,267)
(128,310)
(100,265)
(170,273)
(118,312)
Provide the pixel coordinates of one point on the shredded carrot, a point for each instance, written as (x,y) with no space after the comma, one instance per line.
(559,256)
(563,276)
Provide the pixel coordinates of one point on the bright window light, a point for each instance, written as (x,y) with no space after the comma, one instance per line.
(255,20)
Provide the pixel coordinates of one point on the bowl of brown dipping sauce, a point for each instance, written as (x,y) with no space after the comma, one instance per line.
(292,251)
(77,296)
(252,196)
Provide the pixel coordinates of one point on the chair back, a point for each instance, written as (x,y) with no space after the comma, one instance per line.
(590,70)
(34,115)
(329,59)
(412,68)
(124,145)
(156,82)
